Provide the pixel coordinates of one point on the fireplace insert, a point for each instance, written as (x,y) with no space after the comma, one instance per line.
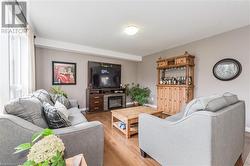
(115,102)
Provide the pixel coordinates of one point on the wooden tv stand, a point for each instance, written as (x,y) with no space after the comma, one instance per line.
(105,99)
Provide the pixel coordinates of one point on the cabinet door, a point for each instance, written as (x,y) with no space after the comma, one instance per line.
(160,98)
(169,101)
(166,99)
(182,98)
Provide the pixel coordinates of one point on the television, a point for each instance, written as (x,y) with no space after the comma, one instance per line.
(104,75)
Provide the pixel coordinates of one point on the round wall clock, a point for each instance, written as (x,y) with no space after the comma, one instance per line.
(227,69)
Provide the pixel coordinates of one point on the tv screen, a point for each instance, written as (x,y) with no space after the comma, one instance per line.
(103,75)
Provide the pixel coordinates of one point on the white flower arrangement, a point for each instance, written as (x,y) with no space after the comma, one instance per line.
(47,151)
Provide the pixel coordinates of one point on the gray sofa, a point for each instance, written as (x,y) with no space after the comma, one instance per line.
(208,135)
(82,137)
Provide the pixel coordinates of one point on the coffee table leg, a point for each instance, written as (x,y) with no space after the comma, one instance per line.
(112,121)
(127,129)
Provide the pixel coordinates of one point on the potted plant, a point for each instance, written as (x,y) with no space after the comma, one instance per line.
(57,90)
(139,95)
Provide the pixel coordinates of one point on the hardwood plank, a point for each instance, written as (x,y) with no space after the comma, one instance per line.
(117,149)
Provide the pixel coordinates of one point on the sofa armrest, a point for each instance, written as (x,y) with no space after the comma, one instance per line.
(13,132)
(74,103)
(87,139)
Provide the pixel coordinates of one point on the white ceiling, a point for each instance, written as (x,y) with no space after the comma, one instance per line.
(163,24)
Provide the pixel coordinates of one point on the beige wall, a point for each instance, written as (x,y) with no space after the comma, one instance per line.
(233,44)
(44,58)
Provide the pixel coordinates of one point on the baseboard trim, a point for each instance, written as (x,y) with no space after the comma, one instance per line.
(247,129)
(83,109)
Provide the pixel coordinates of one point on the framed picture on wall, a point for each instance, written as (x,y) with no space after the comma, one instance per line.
(63,73)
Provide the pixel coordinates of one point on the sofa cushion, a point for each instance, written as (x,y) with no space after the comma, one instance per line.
(216,104)
(198,104)
(28,108)
(43,96)
(74,110)
(55,119)
(62,99)
(230,98)
(76,117)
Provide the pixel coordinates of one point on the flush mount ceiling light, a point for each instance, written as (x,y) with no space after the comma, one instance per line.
(131,30)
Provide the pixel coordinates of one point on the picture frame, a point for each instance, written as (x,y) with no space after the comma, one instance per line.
(63,73)
(227,69)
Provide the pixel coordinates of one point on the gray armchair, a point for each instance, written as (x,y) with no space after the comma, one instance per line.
(204,138)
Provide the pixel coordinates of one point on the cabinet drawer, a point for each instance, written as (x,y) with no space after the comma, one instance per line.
(96,108)
(96,97)
(96,102)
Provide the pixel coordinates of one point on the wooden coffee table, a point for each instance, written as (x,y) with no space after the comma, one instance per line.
(129,116)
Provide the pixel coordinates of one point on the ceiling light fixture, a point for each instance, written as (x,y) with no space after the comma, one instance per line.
(131,30)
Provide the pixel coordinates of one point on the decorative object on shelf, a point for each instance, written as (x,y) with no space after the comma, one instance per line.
(47,151)
(58,91)
(122,125)
(138,94)
(227,69)
(63,73)
(175,85)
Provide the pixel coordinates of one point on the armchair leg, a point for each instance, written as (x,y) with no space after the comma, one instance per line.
(143,154)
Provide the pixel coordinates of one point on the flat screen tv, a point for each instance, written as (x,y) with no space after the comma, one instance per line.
(104,75)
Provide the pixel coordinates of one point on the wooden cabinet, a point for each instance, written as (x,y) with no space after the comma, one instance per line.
(171,98)
(173,91)
(96,102)
(100,99)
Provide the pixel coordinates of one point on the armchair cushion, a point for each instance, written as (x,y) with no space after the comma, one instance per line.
(28,108)
(175,117)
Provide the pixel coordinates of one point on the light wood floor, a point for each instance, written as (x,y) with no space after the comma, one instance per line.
(119,151)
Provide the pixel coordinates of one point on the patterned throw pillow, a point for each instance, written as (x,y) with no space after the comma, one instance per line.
(43,96)
(62,99)
(55,118)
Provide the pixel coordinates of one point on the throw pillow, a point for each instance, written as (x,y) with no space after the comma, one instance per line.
(28,108)
(43,96)
(55,118)
(216,104)
(62,99)
(60,107)
(230,98)
(198,104)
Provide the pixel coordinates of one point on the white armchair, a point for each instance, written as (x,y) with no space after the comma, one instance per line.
(203,138)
